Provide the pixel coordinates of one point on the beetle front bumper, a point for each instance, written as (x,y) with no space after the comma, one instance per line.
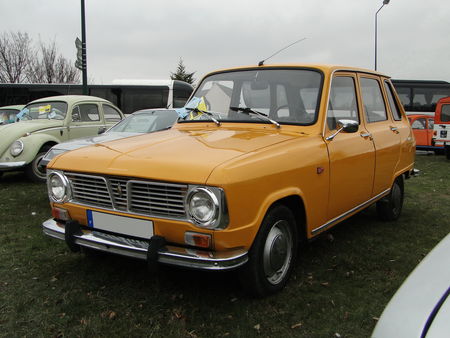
(5,166)
(166,254)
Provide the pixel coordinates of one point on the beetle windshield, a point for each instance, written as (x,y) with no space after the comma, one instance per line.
(55,110)
(287,96)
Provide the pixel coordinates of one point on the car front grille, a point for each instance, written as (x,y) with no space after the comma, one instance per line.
(130,195)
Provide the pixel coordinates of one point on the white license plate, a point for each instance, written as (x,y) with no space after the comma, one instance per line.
(120,224)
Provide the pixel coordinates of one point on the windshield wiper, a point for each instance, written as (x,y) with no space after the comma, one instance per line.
(211,115)
(249,111)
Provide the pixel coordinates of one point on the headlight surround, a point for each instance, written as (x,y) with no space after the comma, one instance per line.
(206,207)
(58,187)
(16,148)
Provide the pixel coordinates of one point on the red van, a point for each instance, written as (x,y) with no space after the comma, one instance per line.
(422,126)
(442,124)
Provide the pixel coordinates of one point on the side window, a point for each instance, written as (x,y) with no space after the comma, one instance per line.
(445,113)
(419,124)
(431,123)
(111,114)
(76,117)
(374,107)
(342,103)
(392,103)
(88,112)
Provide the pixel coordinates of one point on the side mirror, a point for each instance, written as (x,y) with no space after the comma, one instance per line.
(347,126)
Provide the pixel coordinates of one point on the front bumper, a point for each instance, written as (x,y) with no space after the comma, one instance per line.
(11,165)
(166,254)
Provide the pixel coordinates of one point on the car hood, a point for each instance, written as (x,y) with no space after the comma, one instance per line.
(11,132)
(87,141)
(180,154)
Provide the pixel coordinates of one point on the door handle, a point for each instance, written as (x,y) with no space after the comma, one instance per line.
(364,135)
(394,129)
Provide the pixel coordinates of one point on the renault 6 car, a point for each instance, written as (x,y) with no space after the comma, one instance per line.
(261,160)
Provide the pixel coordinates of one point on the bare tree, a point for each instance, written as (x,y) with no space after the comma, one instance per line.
(15,52)
(51,67)
(21,62)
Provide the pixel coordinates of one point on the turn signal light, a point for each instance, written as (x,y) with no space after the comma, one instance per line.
(197,239)
(60,214)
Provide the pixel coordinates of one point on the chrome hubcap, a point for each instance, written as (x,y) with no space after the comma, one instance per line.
(38,170)
(277,252)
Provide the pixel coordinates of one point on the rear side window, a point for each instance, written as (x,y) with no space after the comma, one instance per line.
(392,103)
(111,114)
(85,113)
(374,107)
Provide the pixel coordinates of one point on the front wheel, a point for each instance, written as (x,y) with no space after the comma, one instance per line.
(389,208)
(34,171)
(272,255)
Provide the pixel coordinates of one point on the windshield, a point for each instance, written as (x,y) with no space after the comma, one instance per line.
(287,96)
(8,115)
(146,122)
(44,110)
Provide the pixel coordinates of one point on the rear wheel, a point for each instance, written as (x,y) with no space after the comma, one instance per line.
(272,255)
(389,208)
(34,171)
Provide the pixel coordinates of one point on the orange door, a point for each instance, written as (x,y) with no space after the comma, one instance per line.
(385,133)
(420,130)
(352,156)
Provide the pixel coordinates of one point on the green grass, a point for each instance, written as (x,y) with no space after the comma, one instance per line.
(341,284)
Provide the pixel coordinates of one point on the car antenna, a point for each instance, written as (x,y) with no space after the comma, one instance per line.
(261,63)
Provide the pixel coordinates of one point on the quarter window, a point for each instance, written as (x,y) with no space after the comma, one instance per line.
(342,103)
(374,107)
(392,103)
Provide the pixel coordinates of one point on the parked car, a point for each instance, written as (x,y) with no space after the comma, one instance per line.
(421,306)
(8,113)
(262,159)
(140,122)
(49,121)
(442,124)
(422,126)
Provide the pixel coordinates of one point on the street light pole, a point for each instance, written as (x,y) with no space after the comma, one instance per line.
(385,2)
(83,40)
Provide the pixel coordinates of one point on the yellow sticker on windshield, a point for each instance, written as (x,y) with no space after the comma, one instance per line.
(201,106)
(45,109)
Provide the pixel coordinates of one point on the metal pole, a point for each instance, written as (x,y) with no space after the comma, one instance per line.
(376,34)
(83,40)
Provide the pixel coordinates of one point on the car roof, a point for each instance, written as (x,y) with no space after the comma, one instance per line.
(325,68)
(70,99)
(17,106)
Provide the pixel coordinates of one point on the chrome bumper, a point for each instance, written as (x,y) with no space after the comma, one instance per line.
(167,254)
(12,165)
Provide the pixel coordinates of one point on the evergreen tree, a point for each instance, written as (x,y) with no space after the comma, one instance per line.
(181,74)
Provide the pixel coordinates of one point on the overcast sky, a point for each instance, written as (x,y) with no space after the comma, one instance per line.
(144,39)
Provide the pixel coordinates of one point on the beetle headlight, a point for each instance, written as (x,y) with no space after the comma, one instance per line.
(206,207)
(16,148)
(58,187)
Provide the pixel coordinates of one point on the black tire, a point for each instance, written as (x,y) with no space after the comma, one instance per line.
(272,255)
(389,208)
(447,152)
(34,172)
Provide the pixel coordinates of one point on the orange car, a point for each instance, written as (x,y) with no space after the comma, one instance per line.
(422,126)
(262,159)
(442,124)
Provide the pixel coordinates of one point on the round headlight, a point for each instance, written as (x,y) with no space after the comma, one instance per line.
(16,148)
(58,187)
(203,206)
